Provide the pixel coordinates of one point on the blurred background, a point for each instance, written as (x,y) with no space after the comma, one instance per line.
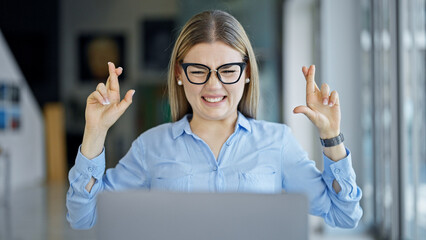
(53,53)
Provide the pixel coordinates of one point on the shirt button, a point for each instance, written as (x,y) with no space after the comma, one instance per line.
(214,168)
(90,169)
(336,171)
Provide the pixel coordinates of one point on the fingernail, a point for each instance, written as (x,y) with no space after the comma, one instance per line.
(106,101)
(121,68)
(325,101)
(109,63)
(330,104)
(133,92)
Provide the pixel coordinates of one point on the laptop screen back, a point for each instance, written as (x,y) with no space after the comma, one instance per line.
(185,216)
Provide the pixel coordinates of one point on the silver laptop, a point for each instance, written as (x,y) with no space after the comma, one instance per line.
(201,216)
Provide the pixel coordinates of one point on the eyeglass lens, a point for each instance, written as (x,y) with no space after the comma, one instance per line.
(228,73)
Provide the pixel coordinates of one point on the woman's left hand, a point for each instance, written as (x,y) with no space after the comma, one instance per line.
(322,107)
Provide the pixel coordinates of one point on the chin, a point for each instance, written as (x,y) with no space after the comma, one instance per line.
(216,115)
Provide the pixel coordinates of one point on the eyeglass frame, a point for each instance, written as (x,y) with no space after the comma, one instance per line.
(185,66)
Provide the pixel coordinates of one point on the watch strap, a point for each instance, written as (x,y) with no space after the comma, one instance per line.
(330,142)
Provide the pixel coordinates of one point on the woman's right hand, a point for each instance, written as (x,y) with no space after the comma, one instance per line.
(103,109)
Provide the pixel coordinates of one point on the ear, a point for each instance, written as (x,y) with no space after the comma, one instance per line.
(178,72)
(247,70)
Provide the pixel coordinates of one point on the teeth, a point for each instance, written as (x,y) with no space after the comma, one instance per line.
(213,100)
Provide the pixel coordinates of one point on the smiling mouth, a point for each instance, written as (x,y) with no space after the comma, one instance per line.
(214,100)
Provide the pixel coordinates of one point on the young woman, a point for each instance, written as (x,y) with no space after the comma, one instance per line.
(214,143)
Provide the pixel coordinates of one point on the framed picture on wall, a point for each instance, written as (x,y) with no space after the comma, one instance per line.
(3,121)
(3,89)
(158,36)
(10,107)
(3,99)
(95,51)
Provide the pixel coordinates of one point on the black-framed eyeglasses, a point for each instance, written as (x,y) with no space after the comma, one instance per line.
(229,73)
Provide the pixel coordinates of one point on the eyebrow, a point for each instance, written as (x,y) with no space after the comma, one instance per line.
(199,66)
(203,65)
(226,66)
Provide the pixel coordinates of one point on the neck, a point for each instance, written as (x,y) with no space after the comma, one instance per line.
(200,125)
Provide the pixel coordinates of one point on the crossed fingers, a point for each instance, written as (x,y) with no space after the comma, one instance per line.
(327,98)
(112,82)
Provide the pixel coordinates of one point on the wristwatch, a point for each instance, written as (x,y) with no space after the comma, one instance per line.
(330,142)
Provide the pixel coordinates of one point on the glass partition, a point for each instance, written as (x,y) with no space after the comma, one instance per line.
(412,32)
(393,43)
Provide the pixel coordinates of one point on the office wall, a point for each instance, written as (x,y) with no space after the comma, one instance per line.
(338,64)
(340,61)
(25,146)
(122,17)
(340,57)
(299,51)
(324,33)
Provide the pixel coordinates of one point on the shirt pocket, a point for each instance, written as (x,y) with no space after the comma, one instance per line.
(259,180)
(171,176)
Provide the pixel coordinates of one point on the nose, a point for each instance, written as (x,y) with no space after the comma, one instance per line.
(213,80)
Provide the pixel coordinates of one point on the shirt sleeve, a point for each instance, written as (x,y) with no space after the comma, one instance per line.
(301,175)
(130,172)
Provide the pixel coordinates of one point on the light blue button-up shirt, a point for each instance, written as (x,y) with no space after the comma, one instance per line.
(259,157)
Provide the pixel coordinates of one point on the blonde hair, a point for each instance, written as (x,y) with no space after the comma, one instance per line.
(208,27)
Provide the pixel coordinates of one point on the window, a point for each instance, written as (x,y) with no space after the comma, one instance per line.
(393,43)
(412,89)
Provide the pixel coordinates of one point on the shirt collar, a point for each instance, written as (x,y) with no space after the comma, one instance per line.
(243,122)
(182,126)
